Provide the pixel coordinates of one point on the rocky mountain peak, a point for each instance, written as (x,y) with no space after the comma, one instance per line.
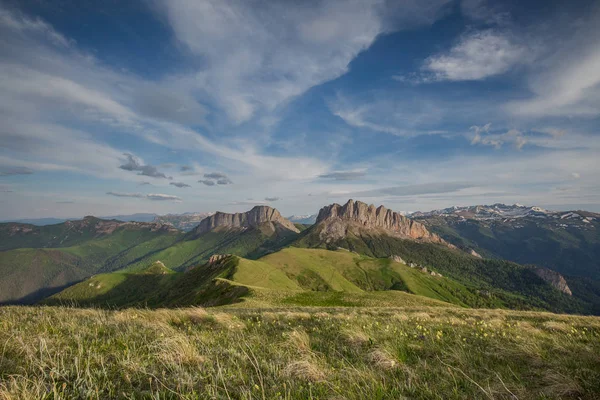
(253,218)
(366,216)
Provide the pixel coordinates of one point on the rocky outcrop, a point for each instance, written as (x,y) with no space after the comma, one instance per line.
(554,278)
(217,258)
(397,259)
(338,219)
(474,253)
(253,218)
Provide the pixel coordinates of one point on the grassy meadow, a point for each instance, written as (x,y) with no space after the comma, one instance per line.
(416,352)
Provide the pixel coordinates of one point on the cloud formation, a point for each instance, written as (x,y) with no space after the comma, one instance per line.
(411,190)
(156,197)
(9,171)
(272,198)
(179,184)
(216,177)
(162,197)
(476,56)
(120,194)
(264,68)
(483,136)
(135,164)
(343,175)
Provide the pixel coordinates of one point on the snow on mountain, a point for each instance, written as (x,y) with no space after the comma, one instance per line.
(307,219)
(502,212)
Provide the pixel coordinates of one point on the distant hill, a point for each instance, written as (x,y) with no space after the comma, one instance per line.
(565,241)
(185,222)
(251,234)
(140,217)
(38,260)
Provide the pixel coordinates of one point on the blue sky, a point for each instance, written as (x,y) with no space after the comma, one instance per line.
(198,105)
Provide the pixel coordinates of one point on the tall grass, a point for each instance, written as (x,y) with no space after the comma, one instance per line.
(304,353)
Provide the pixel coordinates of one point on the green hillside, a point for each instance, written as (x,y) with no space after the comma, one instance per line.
(292,276)
(38,261)
(500,283)
(572,249)
(196,249)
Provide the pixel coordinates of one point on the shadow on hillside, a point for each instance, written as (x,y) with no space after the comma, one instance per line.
(37,295)
(155,291)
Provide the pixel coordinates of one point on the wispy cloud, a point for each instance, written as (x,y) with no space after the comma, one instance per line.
(476,56)
(344,175)
(156,197)
(9,171)
(272,198)
(207,182)
(162,197)
(262,68)
(120,194)
(411,190)
(561,87)
(247,203)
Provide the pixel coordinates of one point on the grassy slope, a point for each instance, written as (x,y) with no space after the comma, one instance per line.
(292,276)
(29,274)
(505,284)
(193,250)
(326,353)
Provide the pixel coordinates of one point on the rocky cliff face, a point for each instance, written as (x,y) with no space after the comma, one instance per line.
(555,279)
(338,219)
(253,218)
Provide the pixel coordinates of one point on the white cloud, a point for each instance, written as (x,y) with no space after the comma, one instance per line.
(155,197)
(566,82)
(483,136)
(380,112)
(476,56)
(162,197)
(259,56)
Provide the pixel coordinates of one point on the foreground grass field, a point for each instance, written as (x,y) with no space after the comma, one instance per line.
(300,353)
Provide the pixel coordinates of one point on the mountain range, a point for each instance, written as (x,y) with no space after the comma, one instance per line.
(565,241)
(42,263)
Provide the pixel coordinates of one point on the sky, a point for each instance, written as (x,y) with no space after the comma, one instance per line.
(170,106)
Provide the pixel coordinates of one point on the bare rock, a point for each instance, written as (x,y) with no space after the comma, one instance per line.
(397,259)
(474,253)
(554,278)
(338,219)
(253,218)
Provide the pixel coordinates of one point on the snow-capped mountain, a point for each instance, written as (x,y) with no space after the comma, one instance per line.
(502,212)
(307,219)
(565,241)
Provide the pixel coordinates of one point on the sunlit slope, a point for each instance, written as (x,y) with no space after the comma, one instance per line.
(291,276)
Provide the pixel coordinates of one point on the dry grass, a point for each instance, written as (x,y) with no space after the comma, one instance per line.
(304,370)
(310,353)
